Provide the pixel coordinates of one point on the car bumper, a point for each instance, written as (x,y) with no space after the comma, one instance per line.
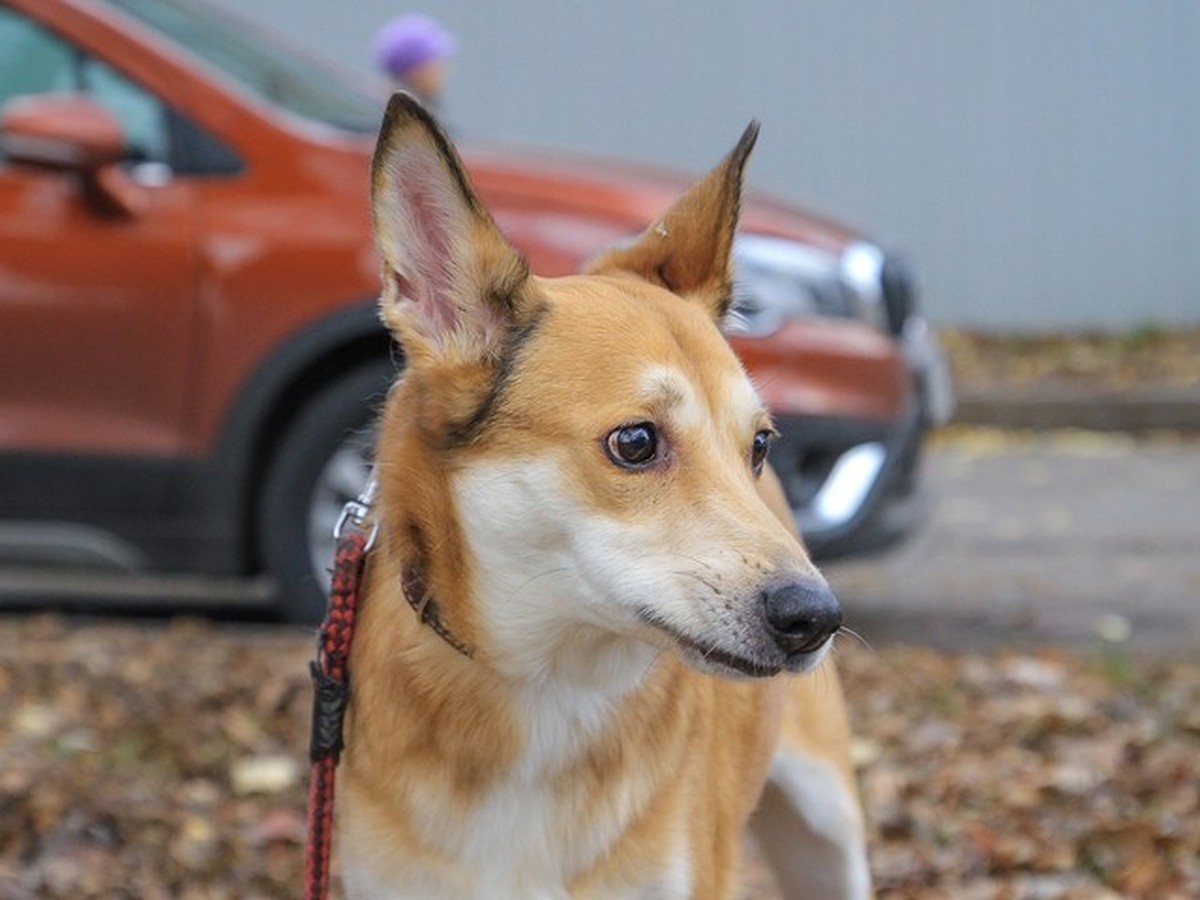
(853,482)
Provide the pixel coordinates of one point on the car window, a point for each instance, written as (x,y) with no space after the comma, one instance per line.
(141,114)
(261,64)
(34,60)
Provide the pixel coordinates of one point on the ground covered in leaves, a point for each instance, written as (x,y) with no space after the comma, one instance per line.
(1143,358)
(166,760)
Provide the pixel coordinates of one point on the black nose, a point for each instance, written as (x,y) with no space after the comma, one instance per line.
(801,616)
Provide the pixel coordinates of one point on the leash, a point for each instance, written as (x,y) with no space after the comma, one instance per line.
(355,535)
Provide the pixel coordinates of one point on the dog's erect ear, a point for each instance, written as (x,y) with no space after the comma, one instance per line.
(688,250)
(452,285)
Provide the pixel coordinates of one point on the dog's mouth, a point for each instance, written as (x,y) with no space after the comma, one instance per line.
(709,657)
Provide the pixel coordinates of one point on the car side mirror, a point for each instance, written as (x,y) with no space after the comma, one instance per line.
(60,131)
(72,133)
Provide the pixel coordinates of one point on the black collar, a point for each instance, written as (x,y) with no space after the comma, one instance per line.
(416,592)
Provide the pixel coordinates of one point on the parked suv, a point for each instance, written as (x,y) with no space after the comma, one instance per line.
(189,350)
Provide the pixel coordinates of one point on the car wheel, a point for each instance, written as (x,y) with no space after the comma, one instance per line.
(322,462)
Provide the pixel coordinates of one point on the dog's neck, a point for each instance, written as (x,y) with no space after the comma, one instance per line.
(548,707)
(578,661)
(584,661)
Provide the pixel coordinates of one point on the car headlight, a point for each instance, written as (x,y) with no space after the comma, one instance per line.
(777,279)
(861,269)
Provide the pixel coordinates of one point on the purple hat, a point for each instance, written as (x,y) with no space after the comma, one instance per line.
(409,41)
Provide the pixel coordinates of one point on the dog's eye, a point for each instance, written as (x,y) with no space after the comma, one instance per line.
(632,445)
(758,452)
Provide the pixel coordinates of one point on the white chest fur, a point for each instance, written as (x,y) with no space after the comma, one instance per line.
(530,834)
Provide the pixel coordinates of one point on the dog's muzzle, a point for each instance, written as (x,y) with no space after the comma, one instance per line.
(801,616)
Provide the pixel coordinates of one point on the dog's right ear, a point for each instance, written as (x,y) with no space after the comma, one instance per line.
(452,285)
(688,250)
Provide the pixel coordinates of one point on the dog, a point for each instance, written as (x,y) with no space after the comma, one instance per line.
(581,621)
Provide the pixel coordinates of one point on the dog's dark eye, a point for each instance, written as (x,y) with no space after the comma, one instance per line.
(758,451)
(633,445)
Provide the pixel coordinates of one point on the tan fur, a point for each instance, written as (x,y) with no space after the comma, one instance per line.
(574,753)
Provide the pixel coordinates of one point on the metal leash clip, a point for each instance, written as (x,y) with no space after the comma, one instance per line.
(356,514)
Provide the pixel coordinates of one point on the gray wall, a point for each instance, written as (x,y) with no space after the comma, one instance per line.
(1040,161)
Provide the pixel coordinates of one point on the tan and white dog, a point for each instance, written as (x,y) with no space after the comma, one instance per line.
(585,581)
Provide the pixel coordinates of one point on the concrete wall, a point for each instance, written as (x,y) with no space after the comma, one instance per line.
(1039,161)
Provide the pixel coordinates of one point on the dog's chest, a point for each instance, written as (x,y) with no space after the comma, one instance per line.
(546,819)
(533,832)
(516,848)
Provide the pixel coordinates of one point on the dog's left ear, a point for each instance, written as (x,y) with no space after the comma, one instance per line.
(688,250)
(453,286)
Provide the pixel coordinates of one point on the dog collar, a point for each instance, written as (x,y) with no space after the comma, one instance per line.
(357,517)
(416,592)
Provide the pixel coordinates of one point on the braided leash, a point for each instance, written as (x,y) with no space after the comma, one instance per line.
(331,686)
(355,534)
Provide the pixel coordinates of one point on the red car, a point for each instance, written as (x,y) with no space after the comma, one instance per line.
(189,349)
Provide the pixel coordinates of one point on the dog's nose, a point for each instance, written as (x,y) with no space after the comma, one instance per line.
(801,616)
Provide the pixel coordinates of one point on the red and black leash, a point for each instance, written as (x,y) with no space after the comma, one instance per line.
(355,533)
(331,685)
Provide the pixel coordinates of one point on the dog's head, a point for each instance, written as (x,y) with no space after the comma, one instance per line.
(574,462)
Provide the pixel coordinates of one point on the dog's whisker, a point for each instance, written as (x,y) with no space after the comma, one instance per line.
(538,577)
(694,559)
(846,629)
(695,577)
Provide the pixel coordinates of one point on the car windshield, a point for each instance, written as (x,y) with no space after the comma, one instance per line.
(268,68)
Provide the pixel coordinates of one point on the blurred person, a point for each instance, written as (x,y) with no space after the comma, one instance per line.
(414,50)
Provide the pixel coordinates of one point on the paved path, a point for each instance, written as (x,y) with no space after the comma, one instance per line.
(1048,539)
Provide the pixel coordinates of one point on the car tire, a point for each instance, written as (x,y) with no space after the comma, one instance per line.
(321,463)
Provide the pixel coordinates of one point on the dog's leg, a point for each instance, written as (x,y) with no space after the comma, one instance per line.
(808,823)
